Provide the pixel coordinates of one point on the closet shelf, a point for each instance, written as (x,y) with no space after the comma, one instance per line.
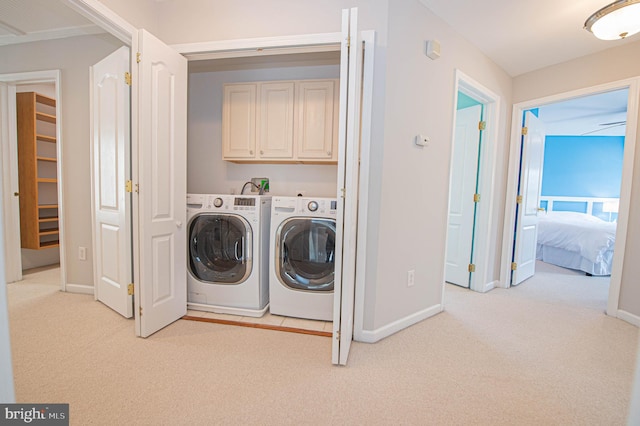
(45,138)
(46,117)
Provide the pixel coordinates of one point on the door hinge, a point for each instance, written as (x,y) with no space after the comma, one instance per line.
(348,41)
(476,198)
(338,335)
(130,289)
(472,267)
(525,130)
(343,192)
(138,59)
(140,311)
(482,125)
(128,186)
(514,266)
(519,199)
(127,78)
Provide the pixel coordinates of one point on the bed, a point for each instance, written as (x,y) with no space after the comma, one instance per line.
(577,241)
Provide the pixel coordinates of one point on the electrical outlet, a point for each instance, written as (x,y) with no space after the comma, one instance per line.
(411,277)
(82,253)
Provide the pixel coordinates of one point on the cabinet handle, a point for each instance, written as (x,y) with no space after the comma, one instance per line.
(261,152)
(251,152)
(329,153)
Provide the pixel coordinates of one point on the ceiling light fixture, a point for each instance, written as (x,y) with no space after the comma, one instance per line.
(616,21)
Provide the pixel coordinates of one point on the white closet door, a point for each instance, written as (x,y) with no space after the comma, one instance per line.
(160,111)
(110,152)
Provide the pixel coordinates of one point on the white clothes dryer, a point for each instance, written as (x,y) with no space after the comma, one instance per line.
(302,266)
(228,253)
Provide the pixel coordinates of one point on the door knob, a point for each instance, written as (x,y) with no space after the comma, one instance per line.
(179,224)
(16,194)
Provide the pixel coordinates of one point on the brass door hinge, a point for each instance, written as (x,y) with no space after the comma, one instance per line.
(482,125)
(130,289)
(127,78)
(525,130)
(472,267)
(138,57)
(519,199)
(476,198)
(514,266)
(128,186)
(140,311)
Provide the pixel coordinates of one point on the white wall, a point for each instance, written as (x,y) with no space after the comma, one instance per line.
(208,173)
(72,56)
(7,393)
(420,98)
(600,68)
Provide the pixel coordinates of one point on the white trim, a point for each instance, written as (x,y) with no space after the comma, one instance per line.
(368,37)
(628,317)
(633,85)
(80,289)
(490,286)
(49,76)
(551,200)
(103,17)
(304,43)
(482,242)
(82,30)
(378,334)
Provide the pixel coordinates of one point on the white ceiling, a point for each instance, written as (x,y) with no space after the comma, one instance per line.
(525,35)
(24,21)
(518,35)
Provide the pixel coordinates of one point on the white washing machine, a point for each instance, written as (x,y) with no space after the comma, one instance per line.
(228,253)
(301,270)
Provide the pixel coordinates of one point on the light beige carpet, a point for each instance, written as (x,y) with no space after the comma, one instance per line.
(542,353)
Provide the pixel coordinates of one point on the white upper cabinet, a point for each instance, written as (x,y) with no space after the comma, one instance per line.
(239,121)
(316,124)
(275,120)
(280,122)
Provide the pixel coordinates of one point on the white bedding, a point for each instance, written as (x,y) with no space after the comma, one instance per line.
(587,236)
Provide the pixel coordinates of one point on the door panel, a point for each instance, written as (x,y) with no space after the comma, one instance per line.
(161,245)
(110,151)
(526,236)
(348,172)
(464,173)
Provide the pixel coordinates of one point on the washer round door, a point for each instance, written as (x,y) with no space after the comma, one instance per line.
(305,253)
(220,248)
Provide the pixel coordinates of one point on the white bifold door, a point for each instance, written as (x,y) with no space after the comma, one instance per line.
(530,185)
(139,182)
(110,162)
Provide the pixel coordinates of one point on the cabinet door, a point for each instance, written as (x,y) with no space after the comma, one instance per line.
(239,121)
(275,120)
(315,133)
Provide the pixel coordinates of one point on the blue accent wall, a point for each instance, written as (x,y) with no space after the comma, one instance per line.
(582,166)
(465,101)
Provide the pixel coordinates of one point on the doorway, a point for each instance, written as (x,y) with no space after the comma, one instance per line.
(471,189)
(625,186)
(18,259)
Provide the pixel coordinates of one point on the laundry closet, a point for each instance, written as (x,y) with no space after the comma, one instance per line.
(262,155)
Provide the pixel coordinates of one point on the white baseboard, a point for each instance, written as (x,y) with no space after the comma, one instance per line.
(79,288)
(490,286)
(629,317)
(368,336)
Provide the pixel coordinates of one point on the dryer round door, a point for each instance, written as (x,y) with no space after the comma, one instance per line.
(305,253)
(220,248)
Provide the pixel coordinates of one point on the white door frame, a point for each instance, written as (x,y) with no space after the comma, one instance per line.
(10,175)
(480,280)
(633,84)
